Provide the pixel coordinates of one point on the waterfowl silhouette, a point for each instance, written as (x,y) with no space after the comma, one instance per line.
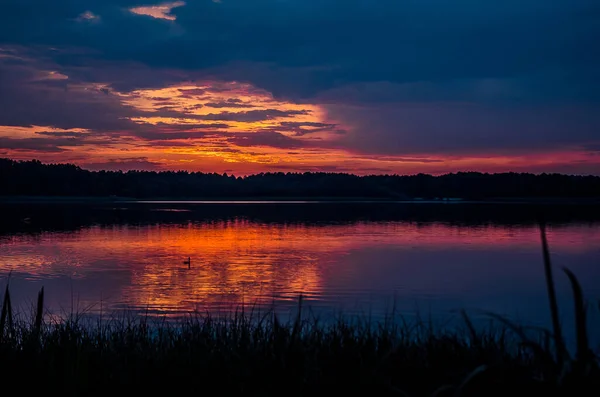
(188,262)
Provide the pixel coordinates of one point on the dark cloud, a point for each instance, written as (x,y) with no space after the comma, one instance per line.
(169,142)
(27,100)
(253,115)
(229,103)
(410,159)
(327,168)
(125,164)
(169,135)
(190,127)
(593,147)
(45,145)
(30,146)
(266,138)
(63,134)
(29,96)
(193,92)
(300,128)
(400,42)
(466,129)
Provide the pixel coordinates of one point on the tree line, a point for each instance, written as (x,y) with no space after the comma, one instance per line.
(33,178)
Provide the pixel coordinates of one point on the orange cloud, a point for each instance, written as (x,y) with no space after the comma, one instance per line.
(234,127)
(161,11)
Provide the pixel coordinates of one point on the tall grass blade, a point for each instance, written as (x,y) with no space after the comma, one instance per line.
(583,350)
(7,314)
(298,323)
(10,323)
(477,371)
(544,355)
(442,390)
(4,313)
(474,337)
(39,314)
(558,339)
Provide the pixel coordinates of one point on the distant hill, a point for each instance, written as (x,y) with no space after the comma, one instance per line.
(32,178)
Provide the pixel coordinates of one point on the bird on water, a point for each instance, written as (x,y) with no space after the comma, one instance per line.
(188,262)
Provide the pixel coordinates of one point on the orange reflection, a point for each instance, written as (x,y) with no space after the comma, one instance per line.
(231,263)
(240,261)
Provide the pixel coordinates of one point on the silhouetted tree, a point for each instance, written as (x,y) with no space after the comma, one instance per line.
(32,178)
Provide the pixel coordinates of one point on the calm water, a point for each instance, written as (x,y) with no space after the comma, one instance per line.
(357,258)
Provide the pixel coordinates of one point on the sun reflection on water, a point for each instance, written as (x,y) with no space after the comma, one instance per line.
(244,262)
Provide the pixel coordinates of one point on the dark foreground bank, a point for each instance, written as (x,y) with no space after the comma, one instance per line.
(257,356)
(254,354)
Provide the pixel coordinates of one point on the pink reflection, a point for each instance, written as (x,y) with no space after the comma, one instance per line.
(241,261)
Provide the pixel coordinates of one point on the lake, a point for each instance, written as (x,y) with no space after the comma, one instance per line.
(370,259)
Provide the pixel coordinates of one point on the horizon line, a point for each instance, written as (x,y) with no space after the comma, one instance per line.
(293,172)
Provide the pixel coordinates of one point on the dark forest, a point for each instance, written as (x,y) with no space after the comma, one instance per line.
(33,178)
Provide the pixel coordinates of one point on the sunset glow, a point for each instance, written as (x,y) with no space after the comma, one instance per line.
(235,127)
(224,87)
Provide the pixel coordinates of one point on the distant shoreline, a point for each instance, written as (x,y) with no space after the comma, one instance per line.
(34,181)
(298,200)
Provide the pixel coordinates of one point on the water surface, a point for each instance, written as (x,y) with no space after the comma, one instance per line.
(367,259)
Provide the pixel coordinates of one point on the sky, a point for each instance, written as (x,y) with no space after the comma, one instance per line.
(246,86)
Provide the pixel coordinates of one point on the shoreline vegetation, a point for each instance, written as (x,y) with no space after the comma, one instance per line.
(295,200)
(255,354)
(34,181)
